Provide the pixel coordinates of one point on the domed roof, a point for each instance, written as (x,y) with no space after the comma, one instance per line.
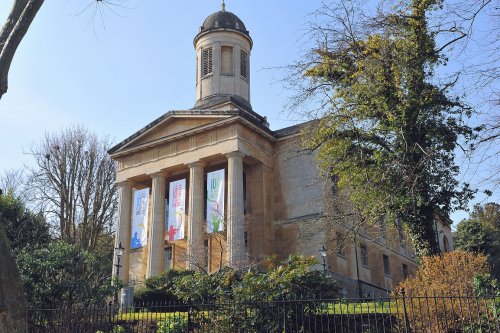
(223,20)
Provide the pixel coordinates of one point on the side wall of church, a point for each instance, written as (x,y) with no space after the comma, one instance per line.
(310,213)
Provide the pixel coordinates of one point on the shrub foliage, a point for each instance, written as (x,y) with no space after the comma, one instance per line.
(455,274)
(253,295)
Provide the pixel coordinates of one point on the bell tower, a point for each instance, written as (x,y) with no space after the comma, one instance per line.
(223,47)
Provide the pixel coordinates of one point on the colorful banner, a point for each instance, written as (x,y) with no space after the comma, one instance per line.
(140,219)
(166,218)
(215,201)
(176,210)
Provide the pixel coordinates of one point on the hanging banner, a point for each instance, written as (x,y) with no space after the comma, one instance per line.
(215,201)
(176,210)
(140,219)
(166,218)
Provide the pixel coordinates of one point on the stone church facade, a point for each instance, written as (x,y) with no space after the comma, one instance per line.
(273,200)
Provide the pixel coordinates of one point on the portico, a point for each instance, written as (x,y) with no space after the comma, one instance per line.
(231,144)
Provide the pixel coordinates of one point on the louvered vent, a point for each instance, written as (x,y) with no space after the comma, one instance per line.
(207,61)
(244,64)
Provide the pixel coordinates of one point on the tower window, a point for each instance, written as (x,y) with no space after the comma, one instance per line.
(226,60)
(244,64)
(207,61)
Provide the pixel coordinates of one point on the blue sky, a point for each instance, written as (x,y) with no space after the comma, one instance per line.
(116,75)
(115,78)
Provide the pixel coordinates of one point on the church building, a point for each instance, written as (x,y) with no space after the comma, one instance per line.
(214,186)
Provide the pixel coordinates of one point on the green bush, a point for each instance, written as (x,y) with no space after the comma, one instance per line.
(252,296)
(291,279)
(173,325)
(200,287)
(159,288)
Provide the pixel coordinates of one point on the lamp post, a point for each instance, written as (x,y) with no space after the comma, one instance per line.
(119,253)
(322,253)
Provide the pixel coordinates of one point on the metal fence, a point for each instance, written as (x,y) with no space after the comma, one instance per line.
(428,313)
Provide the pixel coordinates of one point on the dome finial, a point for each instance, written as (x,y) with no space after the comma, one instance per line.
(223,5)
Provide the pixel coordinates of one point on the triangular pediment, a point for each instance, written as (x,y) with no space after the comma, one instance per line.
(174,126)
(171,124)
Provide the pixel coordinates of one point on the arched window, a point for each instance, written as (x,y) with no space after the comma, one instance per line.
(446,245)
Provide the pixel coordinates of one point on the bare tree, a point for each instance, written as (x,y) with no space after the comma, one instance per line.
(73,182)
(13,181)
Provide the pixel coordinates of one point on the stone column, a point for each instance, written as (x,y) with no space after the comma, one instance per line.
(157,226)
(123,230)
(195,250)
(235,210)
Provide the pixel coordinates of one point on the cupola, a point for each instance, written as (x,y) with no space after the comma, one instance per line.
(223,48)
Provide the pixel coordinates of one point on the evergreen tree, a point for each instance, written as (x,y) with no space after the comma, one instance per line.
(22,226)
(481,233)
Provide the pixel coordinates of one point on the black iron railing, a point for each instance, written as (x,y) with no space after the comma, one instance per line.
(401,313)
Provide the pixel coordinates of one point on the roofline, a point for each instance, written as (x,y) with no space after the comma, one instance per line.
(250,118)
(169,114)
(172,137)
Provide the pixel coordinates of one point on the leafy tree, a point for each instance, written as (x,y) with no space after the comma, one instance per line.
(23,227)
(387,130)
(488,215)
(63,275)
(473,236)
(481,233)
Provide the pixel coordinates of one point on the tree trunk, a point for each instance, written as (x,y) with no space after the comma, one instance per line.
(20,18)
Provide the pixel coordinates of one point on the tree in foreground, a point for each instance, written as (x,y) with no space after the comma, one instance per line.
(387,130)
(73,183)
(481,233)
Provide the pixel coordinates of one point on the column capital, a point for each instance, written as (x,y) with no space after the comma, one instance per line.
(236,153)
(125,184)
(158,174)
(199,163)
